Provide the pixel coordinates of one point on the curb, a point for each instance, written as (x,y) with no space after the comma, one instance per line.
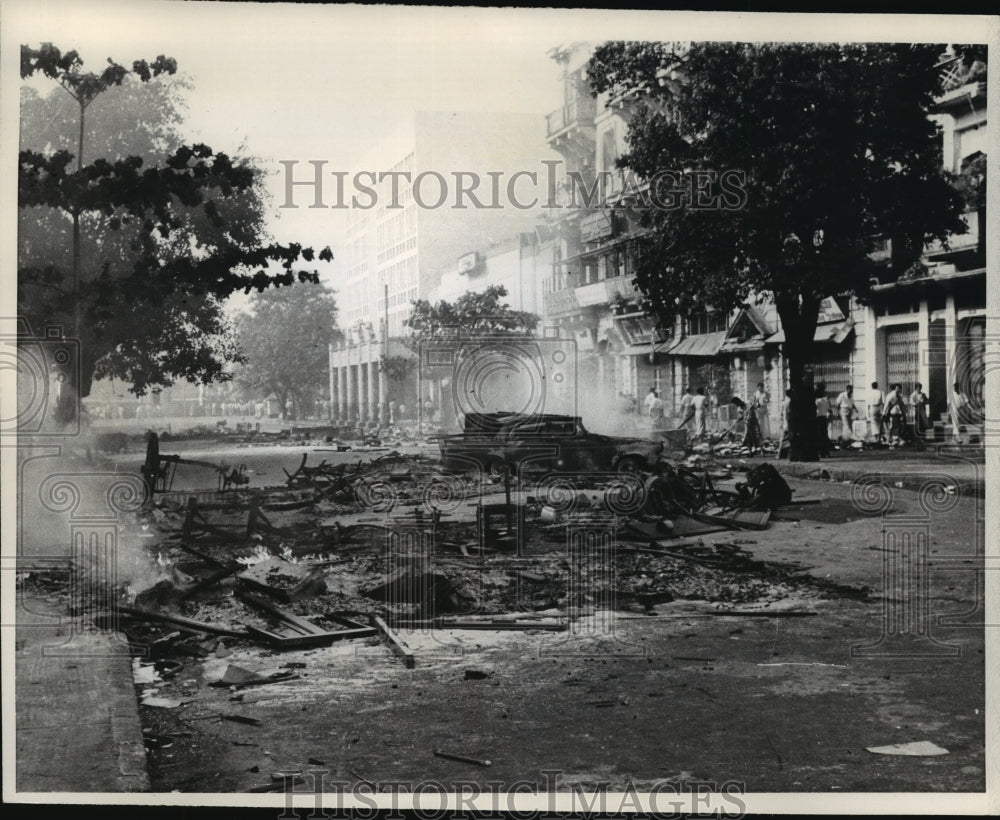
(822,472)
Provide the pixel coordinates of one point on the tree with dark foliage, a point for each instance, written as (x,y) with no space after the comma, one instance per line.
(285,342)
(134,250)
(827,147)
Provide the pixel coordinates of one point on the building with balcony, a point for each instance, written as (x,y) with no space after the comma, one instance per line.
(927,326)
(590,295)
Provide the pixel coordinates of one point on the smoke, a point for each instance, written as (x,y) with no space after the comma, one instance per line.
(78,516)
(606,412)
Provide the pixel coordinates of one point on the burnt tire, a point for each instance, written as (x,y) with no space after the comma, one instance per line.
(631,465)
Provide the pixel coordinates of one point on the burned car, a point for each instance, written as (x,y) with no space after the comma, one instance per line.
(498,442)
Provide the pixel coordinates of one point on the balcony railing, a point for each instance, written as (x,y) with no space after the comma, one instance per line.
(956,73)
(581,110)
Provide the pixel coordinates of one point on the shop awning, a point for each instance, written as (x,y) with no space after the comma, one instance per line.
(644,349)
(702,344)
(835,332)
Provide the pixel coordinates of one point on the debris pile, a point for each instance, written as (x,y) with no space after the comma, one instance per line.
(346,547)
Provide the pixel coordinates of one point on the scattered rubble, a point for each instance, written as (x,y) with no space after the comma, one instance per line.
(374,549)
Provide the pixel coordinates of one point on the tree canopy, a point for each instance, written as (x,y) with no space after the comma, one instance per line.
(285,342)
(130,238)
(827,147)
(471,315)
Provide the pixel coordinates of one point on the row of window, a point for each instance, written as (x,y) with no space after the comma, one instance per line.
(403,297)
(396,250)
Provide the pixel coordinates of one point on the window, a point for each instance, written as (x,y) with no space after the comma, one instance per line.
(609,151)
(706,322)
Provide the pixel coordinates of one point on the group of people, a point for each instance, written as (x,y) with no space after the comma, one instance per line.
(694,408)
(696,405)
(886,416)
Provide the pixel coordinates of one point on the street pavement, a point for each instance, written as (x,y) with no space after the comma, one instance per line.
(77,719)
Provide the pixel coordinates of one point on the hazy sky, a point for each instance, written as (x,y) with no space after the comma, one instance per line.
(306,82)
(301,82)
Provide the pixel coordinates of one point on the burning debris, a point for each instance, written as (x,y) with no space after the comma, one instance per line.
(399,539)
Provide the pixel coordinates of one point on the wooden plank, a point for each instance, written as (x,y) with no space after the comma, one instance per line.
(310,639)
(214,578)
(395,644)
(444,623)
(697,559)
(738,521)
(179,620)
(348,622)
(301,624)
(753,613)
(283,579)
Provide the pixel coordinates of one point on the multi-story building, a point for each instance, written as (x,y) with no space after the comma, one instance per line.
(591,296)
(519,264)
(927,327)
(447,190)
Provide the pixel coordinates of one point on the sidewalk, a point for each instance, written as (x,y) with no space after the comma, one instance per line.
(76,717)
(910,469)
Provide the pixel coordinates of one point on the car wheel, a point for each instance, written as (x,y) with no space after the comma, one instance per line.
(631,465)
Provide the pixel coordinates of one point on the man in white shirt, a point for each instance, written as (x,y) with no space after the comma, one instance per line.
(698,402)
(958,401)
(648,401)
(875,403)
(845,407)
(656,412)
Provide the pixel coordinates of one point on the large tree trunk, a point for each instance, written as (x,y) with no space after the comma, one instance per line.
(798,319)
(76,377)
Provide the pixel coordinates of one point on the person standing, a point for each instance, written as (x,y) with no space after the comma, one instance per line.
(648,401)
(958,401)
(752,439)
(761,404)
(823,414)
(845,408)
(656,412)
(687,409)
(698,402)
(895,410)
(876,403)
(918,398)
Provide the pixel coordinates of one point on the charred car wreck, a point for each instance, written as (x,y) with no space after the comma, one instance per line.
(495,443)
